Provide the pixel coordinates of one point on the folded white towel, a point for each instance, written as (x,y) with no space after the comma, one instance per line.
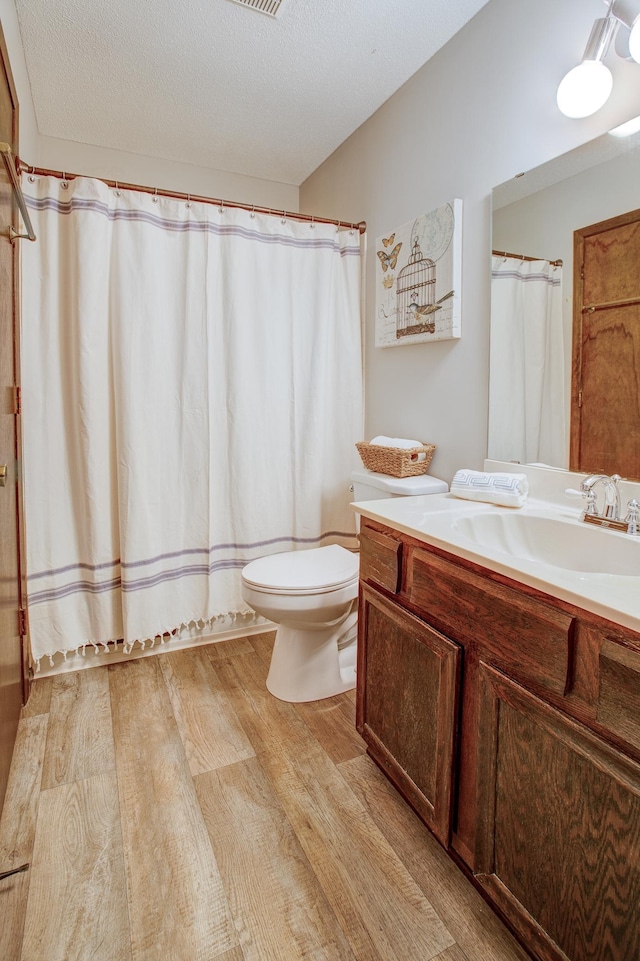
(382,441)
(506,490)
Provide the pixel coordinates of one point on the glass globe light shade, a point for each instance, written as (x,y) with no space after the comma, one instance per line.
(584,89)
(634,41)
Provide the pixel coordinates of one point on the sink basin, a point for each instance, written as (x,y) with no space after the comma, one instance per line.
(559,542)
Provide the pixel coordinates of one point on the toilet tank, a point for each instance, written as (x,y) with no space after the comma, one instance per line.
(370,486)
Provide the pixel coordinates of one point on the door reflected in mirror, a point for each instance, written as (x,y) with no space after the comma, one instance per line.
(535,218)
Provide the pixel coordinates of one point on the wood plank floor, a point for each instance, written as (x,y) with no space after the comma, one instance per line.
(173,810)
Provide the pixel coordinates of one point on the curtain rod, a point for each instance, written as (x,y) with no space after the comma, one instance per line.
(505,253)
(193,198)
(11,166)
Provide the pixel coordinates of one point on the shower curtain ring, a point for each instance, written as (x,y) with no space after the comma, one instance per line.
(117,189)
(284,219)
(253,212)
(188,203)
(338,227)
(154,199)
(64,183)
(221,207)
(312,225)
(31,178)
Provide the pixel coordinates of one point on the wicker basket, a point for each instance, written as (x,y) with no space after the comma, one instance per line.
(397,461)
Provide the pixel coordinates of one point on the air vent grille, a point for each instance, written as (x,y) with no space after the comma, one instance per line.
(270,7)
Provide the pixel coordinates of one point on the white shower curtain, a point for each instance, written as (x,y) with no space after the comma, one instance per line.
(527,402)
(191,396)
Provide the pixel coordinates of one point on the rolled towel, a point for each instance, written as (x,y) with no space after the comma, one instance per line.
(505,490)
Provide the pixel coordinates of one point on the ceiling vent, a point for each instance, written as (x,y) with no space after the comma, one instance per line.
(270,7)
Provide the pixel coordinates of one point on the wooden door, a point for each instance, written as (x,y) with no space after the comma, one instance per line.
(558,845)
(11,666)
(408,695)
(605,393)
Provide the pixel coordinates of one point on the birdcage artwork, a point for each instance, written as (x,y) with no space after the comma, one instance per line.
(415,295)
(418,278)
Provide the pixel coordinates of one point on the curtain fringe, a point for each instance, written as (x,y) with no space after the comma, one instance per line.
(162,638)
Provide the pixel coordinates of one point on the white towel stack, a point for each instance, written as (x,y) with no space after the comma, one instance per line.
(402,443)
(505,490)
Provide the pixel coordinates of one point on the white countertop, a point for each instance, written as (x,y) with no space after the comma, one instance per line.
(432,518)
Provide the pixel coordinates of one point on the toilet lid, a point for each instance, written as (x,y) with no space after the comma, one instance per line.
(302,572)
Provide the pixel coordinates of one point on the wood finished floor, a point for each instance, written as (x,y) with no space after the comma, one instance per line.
(173,810)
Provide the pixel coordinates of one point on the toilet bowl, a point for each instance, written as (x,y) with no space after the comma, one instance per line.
(311,595)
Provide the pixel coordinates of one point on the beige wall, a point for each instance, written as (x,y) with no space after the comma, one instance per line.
(92,161)
(479,112)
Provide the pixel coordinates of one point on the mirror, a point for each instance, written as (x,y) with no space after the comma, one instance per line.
(535,215)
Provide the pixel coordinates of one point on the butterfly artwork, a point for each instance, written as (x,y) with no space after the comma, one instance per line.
(389,261)
(417,289)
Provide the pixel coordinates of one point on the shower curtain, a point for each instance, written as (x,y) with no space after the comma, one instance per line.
(527,402)
(191,397)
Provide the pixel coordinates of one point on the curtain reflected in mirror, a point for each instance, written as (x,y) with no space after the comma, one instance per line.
(527,401)
(535,216)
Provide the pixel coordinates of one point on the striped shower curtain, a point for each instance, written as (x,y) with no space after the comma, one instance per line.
(528,383)
(191,397)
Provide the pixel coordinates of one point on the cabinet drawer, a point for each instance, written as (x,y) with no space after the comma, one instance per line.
(526,637)
(380,559)
(619,697)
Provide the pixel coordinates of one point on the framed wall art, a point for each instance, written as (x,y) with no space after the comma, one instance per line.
(418,279)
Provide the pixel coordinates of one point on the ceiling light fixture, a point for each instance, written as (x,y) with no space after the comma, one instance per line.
(627,12)
(587,87)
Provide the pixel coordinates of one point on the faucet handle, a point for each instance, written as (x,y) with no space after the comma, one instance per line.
(632,520)
(589,495)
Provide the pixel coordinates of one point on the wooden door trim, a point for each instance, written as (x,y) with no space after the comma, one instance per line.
(575,414)
(5,65)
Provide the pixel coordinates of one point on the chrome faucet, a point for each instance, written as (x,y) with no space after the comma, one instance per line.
(611,495)
(610,516)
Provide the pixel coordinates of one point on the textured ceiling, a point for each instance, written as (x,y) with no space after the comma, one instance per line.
(214,83)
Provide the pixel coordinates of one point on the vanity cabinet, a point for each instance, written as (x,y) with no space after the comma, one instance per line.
(510,721)
(558,841)
(403,661)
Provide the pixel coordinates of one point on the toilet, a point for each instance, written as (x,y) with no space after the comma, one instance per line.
(312,595)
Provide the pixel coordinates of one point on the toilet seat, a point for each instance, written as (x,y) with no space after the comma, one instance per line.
(315,571)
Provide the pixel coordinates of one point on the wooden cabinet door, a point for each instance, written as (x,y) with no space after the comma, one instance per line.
(558,846)
(605,395)
(407,706)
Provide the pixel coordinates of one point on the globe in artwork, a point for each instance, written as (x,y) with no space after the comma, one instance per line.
(434,232)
